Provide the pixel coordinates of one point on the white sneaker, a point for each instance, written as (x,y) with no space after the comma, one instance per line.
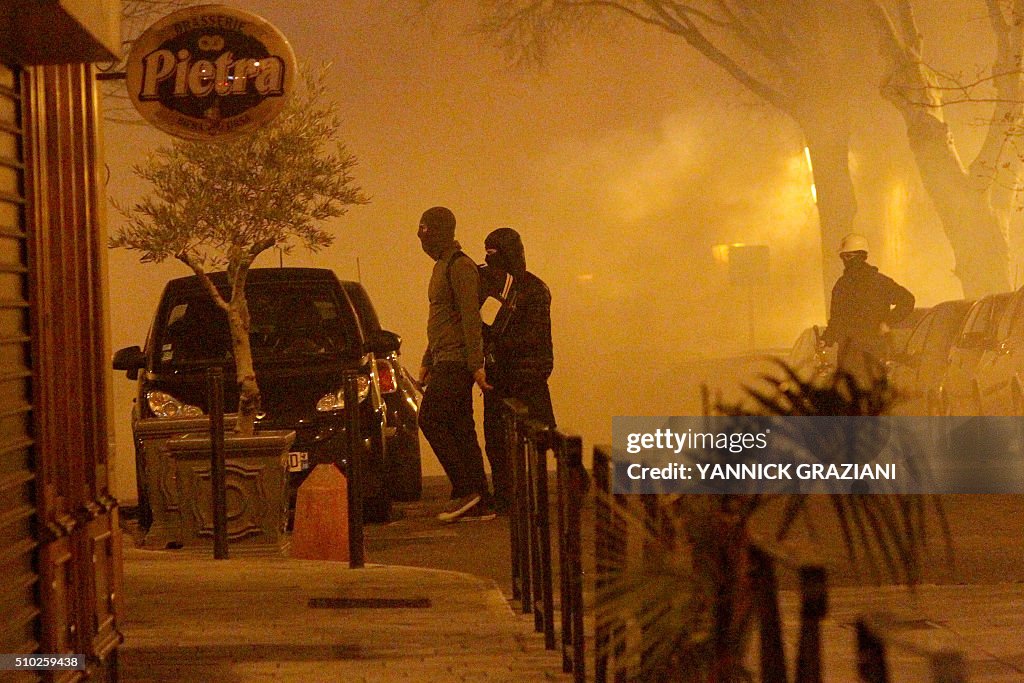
(458,507)
(480,513)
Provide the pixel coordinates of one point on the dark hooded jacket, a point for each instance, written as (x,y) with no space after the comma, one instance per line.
(863,299)
(518,344)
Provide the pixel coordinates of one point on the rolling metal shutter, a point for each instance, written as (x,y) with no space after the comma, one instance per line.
(18,589)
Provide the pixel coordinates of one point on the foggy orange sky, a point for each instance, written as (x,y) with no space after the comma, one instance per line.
(621,164)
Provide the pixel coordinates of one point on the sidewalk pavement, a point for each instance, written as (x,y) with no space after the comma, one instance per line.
(195,619)
(984,622)
(192,618)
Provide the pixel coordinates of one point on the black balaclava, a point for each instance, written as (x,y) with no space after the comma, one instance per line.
(505,251)
(853,259)
(437,231)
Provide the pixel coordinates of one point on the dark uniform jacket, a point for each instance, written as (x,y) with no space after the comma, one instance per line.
(863,299)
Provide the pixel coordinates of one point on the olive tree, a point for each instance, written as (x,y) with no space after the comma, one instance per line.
(219,205)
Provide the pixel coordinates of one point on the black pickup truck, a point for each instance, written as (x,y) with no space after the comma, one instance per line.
(305,333)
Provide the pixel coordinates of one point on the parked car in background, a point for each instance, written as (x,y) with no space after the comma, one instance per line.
(813,362)
(916,372)
(999,385)
(958,392)
(402,397)
(899,334)
(305,334)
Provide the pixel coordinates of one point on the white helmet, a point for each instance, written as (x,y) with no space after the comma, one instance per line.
(853,242)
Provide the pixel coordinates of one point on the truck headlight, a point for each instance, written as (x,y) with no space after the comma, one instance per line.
(336,399)
(162,404)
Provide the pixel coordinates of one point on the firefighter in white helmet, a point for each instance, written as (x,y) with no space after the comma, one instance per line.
(865,303)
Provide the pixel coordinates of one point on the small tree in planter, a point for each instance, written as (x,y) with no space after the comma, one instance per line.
(219,205)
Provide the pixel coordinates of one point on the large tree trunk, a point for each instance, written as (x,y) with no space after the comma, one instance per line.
(961,198)
(837,204)
(969,221)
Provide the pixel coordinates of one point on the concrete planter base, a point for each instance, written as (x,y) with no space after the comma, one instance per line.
(158,479)
(256,488)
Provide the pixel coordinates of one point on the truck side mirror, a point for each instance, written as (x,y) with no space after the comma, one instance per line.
(383,342)
(131,359)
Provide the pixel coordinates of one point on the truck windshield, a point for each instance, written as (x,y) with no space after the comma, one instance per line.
(289,323)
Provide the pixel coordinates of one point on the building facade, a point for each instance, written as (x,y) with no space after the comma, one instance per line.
(60,563)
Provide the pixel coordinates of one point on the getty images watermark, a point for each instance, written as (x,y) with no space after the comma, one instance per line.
(861,455)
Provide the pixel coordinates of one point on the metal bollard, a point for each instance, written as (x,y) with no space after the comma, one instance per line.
(355,471)
(218,498)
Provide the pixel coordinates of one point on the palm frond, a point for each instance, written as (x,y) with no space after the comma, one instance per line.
(681,583)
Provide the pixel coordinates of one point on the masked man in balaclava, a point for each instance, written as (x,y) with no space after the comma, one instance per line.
(864,304)
(518,349)
(453,361)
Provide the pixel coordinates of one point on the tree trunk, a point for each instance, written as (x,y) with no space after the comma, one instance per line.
(962,200)
(248,390)
(837,205)
(970,224)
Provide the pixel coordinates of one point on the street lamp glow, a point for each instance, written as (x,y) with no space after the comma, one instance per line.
(810,170)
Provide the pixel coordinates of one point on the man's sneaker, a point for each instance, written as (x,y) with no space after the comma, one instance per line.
(458,507)
(480,513)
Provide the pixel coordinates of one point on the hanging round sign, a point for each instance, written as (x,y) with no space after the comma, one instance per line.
(210,72)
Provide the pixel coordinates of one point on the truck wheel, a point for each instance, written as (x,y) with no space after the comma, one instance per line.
(376,495)
(404,467)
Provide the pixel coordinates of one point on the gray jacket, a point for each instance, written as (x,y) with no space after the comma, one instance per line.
(454,328)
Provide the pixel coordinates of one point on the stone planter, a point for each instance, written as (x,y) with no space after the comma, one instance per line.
(256,473)
(158,481)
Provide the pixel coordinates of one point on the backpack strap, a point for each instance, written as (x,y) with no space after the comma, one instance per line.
(448,274)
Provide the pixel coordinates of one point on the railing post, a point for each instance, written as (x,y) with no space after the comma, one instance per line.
(813,607)
(773,658)
(539,439)
(563,495)
(871,664)
(514,513)
(534,531)
(573,459)
(519,512)
(602,531)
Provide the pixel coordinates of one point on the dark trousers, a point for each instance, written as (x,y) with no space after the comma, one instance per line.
(446,419)
(538,402)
